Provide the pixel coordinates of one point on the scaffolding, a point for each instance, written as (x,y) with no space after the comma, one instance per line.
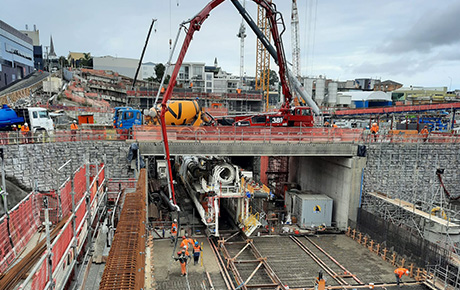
(402,189)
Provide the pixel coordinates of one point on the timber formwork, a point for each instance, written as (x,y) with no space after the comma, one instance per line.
(125,265)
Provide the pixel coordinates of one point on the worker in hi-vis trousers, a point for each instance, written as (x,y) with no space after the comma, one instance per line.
(182,257)
(399,273)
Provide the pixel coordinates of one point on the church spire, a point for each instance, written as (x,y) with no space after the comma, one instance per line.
(52,53)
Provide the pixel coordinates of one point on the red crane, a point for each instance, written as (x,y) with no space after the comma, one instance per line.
(274,17)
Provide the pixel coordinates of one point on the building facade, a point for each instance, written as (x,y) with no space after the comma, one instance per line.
(38,49)
(16,55)
(124,66)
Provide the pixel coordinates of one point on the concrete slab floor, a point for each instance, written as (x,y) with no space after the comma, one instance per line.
(167,274)
(292,265)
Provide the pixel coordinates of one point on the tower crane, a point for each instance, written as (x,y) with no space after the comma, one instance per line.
(242,35)
(262,55)
(295,40)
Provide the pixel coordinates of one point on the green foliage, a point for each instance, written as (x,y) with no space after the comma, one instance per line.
(86,61)
(159,71)
(273,78)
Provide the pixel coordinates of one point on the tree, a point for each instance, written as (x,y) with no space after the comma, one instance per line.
(63,62)
(86,60)
(159,71)
(273,78)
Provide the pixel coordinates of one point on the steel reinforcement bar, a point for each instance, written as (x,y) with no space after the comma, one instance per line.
(126,262)
(321,263)
(233,263)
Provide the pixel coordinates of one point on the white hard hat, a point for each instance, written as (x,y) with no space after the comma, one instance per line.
(25,124)
(407,272)
(175,220)
(374,124)
(75,121)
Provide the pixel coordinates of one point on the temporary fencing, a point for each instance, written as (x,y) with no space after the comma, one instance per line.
(25,219)
(238,134)
(24,222)
(66,198)
(6,250)
(40,278)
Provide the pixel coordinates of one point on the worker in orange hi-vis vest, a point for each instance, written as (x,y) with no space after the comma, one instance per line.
(25,131)
(174,231)
(399,273)
(73,130)
(182,257)
(374,130)
(196,252)
(424,132)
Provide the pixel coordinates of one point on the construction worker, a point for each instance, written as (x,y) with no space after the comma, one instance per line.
(374,130)
(326,124)
(185,242)
(174,231)
(334,125)
(73,130)
(399,273)
(196,252)
(25,132)
(424,132)
(182,257)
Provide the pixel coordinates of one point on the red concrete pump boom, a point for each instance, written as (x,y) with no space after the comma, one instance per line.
(195,25)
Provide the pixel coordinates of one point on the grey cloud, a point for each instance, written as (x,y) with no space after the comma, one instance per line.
(434,29)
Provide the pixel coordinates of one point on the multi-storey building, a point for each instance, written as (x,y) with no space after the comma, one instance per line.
(16,55)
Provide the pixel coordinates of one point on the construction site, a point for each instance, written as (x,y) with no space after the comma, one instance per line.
(174,187)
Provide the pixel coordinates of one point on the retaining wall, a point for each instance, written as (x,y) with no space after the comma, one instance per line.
(39,162)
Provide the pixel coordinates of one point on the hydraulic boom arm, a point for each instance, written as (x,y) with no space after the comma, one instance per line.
(277,54)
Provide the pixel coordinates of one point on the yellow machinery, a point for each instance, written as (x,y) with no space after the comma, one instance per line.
(188,113)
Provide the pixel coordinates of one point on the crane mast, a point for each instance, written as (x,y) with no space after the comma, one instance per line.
(242,35)
(295,40)
(262,55)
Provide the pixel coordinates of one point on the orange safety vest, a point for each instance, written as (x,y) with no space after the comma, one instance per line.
(25,129)
(73,126)
(374,129)
(424,132)
(400,272)
(196,249)
(174,228)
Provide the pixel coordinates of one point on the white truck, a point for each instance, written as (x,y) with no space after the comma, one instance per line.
(38,119)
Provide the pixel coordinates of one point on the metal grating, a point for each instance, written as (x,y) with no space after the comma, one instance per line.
(126,262)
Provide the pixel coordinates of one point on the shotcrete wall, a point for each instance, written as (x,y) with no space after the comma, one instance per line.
(337,177)
(39,162)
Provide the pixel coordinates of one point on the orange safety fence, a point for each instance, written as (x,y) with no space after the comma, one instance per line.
(6,251)
(61,243)
(40,277)
(24,222)
(101,176)
(80,183)
(53,206)
(80,213)
(66,198)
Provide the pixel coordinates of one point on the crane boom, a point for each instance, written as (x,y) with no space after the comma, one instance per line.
(278,55)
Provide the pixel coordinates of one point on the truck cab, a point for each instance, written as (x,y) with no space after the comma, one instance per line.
(126,118)
(38,119)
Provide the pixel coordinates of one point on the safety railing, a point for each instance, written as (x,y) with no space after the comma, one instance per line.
(225,134)
(25,218)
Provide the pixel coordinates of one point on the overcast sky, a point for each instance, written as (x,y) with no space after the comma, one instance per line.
(414,42)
